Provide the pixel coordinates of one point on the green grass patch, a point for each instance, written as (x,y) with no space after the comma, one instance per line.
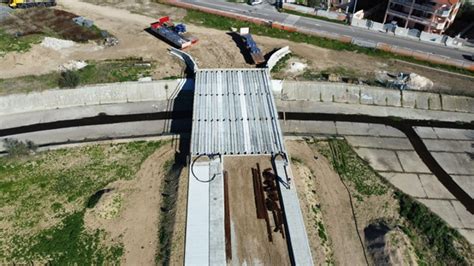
(169,192)
(130,69)
(320,226)
(108,71)
(280,65)
(68,244)
(436,233)
(293,12)
(224,23)
(53,188)
(352,168)
(9,43)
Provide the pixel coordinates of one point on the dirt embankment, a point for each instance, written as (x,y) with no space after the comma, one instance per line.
(361,229)
(334,203)
(129,210)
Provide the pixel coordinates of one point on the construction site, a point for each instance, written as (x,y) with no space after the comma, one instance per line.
(239,173)
(162,132)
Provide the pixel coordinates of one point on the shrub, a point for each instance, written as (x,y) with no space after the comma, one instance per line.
(16,147)
(68,79)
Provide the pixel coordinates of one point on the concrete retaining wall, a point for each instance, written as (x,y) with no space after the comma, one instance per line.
(186,58)
(367,95)
(277,56)
(430,37)
(90,95)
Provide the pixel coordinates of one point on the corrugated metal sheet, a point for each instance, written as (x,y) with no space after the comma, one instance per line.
(235,113)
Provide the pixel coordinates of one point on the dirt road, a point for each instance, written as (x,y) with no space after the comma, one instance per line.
(134,221)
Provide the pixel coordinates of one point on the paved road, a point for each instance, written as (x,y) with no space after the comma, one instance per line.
(267,12)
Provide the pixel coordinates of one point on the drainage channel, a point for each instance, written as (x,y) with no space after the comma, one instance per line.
(407,127)
(404,125)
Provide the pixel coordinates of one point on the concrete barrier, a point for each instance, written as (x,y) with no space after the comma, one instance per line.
(345,39)
(186,58)
(401,51)
(430,37)
(340,93)
(384,47)
(277,56)
(363,43)
(380,96)
(438,59)
(361,23)
(421,100)
(458,103)
(90,95)
(368,95)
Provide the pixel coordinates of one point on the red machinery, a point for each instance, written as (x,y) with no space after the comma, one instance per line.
(172,33)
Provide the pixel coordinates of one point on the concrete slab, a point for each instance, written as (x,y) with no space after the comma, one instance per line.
(216,215)
(458,103)
(455,163)
(380,160)
(467,219)
(421,100)
(294,217)
(383,111)
(351,129)
(433,188)
(426,132)
(314,127)
(450,145)
(364,129)
(77,134)
(449,133)
(466,182)
(197,222)
(411,162)
(468,234)
(380,143)
(408,183)
(445,210)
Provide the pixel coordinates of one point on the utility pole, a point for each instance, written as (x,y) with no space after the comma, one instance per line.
(354,9)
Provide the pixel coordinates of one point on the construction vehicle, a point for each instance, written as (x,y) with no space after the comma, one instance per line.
(251,46)
(31,3)
(174,34)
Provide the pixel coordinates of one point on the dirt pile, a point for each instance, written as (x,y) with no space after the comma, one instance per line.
(418,82)
(388,246)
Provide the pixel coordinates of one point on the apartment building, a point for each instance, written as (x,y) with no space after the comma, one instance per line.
(433,16)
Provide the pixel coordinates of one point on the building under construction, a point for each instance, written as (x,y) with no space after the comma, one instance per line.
(433,16)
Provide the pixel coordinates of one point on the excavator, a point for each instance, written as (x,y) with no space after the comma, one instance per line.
(30,3)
